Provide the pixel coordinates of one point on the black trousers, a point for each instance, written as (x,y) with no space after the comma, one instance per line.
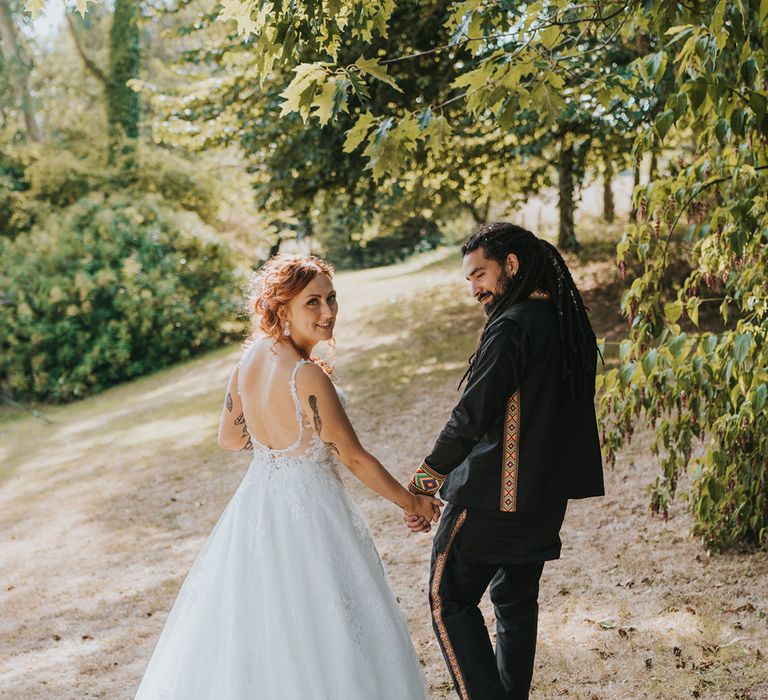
(472,550)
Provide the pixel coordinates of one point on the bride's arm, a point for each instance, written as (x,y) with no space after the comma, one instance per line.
(321,404)
(233,433)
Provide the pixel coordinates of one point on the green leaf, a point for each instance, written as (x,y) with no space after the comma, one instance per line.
(677,345)
(358,132)
(664,122)
(655,64)
(697,91)
(370,66)
(329,101)
(741,346)
(649,361)
(761,394)
(673,310)
(550,36)
(301,90)
(437,134)
(407,131)
(549,100)
(715,489)
(626,373)
(721,131)
(692,308)
(359,86)
(625,347)
(718,15)
(677,29)
(737,121)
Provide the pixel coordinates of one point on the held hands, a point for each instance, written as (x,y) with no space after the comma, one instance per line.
(424,511)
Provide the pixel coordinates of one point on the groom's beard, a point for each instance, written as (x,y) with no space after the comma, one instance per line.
(501,287)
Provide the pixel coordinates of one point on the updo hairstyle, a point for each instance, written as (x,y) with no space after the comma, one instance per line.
(278,281)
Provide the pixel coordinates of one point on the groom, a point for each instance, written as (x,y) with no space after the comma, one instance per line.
(521,441)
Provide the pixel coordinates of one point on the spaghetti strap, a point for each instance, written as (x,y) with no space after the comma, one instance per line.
(294,393)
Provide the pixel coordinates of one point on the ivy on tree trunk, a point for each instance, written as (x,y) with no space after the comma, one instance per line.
(123,106)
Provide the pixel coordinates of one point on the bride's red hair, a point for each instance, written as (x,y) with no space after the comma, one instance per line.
(278,281)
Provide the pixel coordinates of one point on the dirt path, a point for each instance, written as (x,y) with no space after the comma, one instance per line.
(103,511)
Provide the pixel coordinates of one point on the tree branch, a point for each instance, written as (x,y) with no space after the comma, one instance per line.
(89,62)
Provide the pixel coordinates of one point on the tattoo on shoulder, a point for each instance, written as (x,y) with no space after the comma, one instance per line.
(315,413)
(229,402)
(240,420)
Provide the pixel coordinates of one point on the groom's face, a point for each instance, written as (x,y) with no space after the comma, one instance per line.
(489,280)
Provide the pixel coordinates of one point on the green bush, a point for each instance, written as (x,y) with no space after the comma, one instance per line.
(15,214)
(18,211)
(60,178)
(108,290)
(179,181)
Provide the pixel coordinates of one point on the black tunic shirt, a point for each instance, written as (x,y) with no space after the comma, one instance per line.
(517,441)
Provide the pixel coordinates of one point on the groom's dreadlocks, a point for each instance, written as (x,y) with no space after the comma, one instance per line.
(541,268)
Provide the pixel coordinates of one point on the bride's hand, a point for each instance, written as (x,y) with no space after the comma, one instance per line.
(426,507)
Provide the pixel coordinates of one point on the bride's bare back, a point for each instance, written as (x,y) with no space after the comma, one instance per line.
(266,385)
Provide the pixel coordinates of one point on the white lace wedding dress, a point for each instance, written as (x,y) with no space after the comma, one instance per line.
(288,598)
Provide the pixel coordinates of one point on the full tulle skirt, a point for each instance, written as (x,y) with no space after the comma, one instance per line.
(287,600)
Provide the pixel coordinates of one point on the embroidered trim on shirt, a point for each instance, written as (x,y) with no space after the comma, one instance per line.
(511,454)
(425,481)
(437,611)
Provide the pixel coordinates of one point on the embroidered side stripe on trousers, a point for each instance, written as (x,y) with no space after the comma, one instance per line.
(437,610)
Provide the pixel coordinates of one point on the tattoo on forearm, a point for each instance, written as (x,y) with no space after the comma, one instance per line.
(229,402)
(240,420)
(319,424)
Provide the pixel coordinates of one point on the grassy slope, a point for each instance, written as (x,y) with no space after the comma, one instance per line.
(103,511)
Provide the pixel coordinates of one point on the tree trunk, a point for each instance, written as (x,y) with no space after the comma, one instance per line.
(566,238)
(18,70)
(635,183)
(123,106)
(654,166)
(608,208)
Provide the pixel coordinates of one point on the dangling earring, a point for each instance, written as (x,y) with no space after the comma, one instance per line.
(287,328)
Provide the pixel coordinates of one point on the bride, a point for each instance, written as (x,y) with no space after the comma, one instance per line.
(288,598)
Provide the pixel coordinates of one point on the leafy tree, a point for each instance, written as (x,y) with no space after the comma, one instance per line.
(693,377)
(705,71)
